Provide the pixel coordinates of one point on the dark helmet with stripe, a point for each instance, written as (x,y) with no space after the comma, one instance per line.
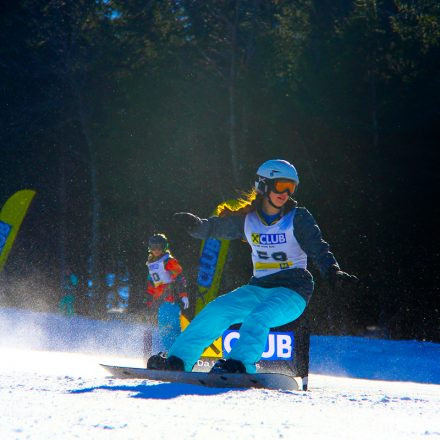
(158,240)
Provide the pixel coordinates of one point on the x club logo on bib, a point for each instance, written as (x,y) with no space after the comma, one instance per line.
(268,238)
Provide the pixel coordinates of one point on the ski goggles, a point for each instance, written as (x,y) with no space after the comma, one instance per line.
(282,185)
(156,247)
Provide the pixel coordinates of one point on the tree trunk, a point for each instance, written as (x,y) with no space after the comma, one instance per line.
(233,147)
(233,119)
(63,216)
(374,119)
(93,172)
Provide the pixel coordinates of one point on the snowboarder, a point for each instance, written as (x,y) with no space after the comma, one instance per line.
(282,237)
(165,287)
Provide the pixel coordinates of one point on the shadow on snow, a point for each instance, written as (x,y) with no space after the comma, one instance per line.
(159,391)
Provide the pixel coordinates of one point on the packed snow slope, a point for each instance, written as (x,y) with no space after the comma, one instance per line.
(51,387)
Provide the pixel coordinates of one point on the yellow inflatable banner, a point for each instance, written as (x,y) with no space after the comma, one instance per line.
(11,217)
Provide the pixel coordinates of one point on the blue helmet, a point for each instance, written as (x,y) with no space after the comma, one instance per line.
(273,170)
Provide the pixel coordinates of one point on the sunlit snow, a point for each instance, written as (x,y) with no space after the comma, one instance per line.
(51,387)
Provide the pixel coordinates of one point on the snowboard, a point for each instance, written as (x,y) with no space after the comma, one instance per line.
(273,381)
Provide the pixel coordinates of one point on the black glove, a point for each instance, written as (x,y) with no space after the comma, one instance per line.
(338,279)
(186,220)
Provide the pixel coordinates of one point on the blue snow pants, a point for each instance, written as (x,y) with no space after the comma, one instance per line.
(168,326)
(257,308)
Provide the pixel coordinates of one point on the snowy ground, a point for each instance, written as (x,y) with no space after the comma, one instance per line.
(47,394)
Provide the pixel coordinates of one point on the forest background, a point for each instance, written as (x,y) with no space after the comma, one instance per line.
(121,112)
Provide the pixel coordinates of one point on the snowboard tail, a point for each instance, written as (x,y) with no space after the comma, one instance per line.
(274,381)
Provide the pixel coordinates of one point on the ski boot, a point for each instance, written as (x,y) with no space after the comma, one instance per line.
(160,362)
(228,366)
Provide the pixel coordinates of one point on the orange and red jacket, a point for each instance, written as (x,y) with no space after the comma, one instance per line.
(168,292)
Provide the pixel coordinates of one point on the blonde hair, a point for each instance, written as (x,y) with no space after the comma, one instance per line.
(248,202)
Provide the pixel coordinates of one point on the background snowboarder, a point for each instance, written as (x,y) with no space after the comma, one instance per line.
(166,287)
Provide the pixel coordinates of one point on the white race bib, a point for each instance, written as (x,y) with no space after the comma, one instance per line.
(158,272)
(274,247)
